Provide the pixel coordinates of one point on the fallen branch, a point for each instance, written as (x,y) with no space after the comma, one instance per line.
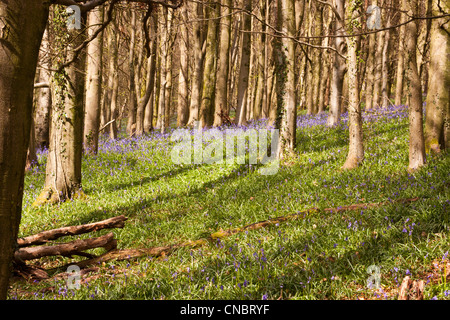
(67,249)
(128,254)
(45,236)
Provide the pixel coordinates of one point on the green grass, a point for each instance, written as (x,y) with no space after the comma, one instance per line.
(319,255)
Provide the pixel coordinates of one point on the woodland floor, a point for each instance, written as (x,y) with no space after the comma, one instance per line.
(317,254)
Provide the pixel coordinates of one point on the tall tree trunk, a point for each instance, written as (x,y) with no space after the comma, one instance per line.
(114,111)
(370,69)
(385,101)
(339,68)
(378,62)
(22,24)
(223,64)
(168,68)
(414,90)
(206,116)
(132,85)
(150,85)
(438,105)
(93,82)
(400,62)
(183,79)
(356,150)
(197,74)
(289,115)
(244,71)
(63,170)
(44,101)
(148,113)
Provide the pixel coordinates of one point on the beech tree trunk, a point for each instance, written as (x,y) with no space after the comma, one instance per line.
(438,105)
(244,71)
(131,108)
(44,100)
(414,90)
(339,68)
(400,62)
(223,64)
(22,24)
(63,170)
(289,115)
(207,112)
(93,82)
(197,74)
(183,80)
(356,150)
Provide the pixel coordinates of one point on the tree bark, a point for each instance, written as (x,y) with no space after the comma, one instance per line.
(223,64)
(356,150)
(339,68)
(197,74)
(438,105)
(131,120)
(93,82)
(49,235)
(207,111)
(22,25)
(414,89)
(244,71)
(148,113)
(44,101)
(289,115)
(67,249)
(149,84)
(183,78)
(63,170)
(400,62)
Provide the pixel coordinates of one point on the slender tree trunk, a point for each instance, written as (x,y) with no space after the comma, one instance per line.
(150,86)
(132,85)
(416,138)
(438,104)
(183,79)
(22,25)
(289,114)
(244,71)
(400,62)
(93,82)
(356,150)
(206,116)
(168,69)
(385,102)
(378,62)
(148,112)
(114,109)
(197,74)
(44,101)
(223,65)
(339,69)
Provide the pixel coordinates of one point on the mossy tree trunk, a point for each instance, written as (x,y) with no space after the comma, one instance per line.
(63,170)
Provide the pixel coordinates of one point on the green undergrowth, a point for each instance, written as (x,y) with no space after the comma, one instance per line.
(321,255)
